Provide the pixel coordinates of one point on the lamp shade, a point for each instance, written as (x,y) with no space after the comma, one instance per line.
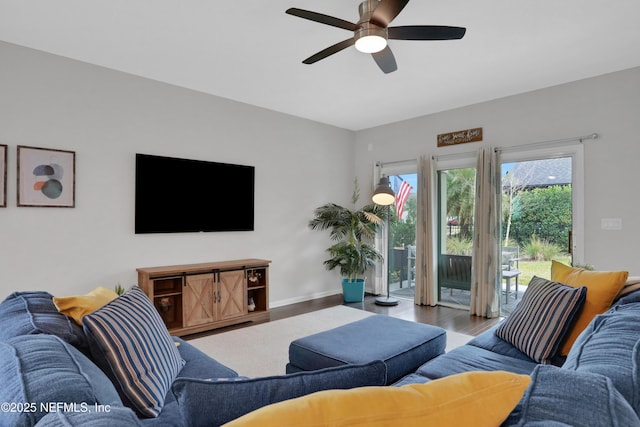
(383,194)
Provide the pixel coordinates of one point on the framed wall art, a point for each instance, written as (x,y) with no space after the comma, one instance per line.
(46,177)
(3,176)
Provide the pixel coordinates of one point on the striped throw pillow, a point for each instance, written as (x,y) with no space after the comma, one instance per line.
(541,321)
(131,344)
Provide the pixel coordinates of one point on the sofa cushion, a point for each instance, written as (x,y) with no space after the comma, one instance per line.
(199,365)
(469,399)
(79,306)
(610,346)
(468,358)
(110,417)
(26,313)
(574,398)
(603,287)
(236,398)
(37,369)
(129,341)
(490,341)
(539,324)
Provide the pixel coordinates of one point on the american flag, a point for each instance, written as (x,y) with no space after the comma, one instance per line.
(402,190)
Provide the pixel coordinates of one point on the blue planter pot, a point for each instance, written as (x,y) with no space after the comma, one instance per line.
(353,291)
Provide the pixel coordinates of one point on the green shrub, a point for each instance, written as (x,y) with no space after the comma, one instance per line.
(543,212)
(459,246)
(541,250)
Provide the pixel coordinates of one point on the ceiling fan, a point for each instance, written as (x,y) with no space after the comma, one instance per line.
(371,32)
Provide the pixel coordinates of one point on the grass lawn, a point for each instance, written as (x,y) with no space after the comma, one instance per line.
(542,269)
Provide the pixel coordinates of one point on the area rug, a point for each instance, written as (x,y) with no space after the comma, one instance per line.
(263,349)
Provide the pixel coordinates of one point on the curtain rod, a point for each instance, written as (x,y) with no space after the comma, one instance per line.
(455,155)
(544,143)
(499,149)
(397,162)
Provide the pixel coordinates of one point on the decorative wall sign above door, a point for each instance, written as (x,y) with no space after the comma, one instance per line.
(459,137)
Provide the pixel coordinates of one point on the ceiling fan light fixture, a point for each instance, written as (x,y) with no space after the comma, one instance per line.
(371,44)
(370,38)
(371,32)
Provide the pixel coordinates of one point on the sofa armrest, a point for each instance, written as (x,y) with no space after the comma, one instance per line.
(213,403)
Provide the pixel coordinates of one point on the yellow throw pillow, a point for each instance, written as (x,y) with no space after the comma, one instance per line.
(602,289)
(79,306)
(560,271)
(468,399)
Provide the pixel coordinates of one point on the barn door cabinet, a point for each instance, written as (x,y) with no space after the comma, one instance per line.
(193,298)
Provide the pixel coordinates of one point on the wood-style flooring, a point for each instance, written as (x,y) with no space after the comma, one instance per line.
(448,318)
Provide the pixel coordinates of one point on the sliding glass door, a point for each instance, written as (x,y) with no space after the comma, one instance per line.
(541,216)
(542,219)
(456,200)
(402,236)
(401,231)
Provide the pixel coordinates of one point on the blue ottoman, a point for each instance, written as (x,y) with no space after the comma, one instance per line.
(401,344)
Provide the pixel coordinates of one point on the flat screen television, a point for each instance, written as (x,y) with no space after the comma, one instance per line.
(180,195)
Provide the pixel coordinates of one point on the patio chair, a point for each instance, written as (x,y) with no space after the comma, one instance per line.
(510,268)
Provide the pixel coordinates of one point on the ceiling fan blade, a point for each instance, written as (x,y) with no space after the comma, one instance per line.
(385,60)
(386,11)
(323,19)
(426,32)
(330,51)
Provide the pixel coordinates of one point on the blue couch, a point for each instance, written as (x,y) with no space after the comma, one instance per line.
(598,384)
(48,377)
(44,359)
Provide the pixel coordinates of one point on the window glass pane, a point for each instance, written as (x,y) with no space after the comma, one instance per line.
(402,236)
(456,201)
(537,221)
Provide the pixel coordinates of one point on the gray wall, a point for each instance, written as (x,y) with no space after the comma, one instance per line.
(106,117)
(608,105)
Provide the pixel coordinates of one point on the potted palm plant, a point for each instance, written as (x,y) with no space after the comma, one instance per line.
(353,230)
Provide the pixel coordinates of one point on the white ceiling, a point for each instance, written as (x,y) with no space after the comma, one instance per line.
(251,51)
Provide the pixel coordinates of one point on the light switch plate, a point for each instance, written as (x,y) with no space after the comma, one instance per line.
(611,223)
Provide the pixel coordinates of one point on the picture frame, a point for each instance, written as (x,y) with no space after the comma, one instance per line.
(46,177)
(3,176)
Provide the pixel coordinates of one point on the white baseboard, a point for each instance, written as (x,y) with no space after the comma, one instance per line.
(275,304)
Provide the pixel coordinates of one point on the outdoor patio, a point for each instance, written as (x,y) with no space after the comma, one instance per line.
(457,296)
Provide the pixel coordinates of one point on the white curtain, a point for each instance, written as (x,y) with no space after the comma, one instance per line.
(485,273)
(425,291)
(382,245)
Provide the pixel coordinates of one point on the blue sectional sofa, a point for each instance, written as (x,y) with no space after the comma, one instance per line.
(597,384)
(50,377)
(46,358)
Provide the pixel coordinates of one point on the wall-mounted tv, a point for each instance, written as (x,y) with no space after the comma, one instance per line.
(180,195)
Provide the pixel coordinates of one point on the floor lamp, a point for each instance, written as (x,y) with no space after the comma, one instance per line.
(383,195)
